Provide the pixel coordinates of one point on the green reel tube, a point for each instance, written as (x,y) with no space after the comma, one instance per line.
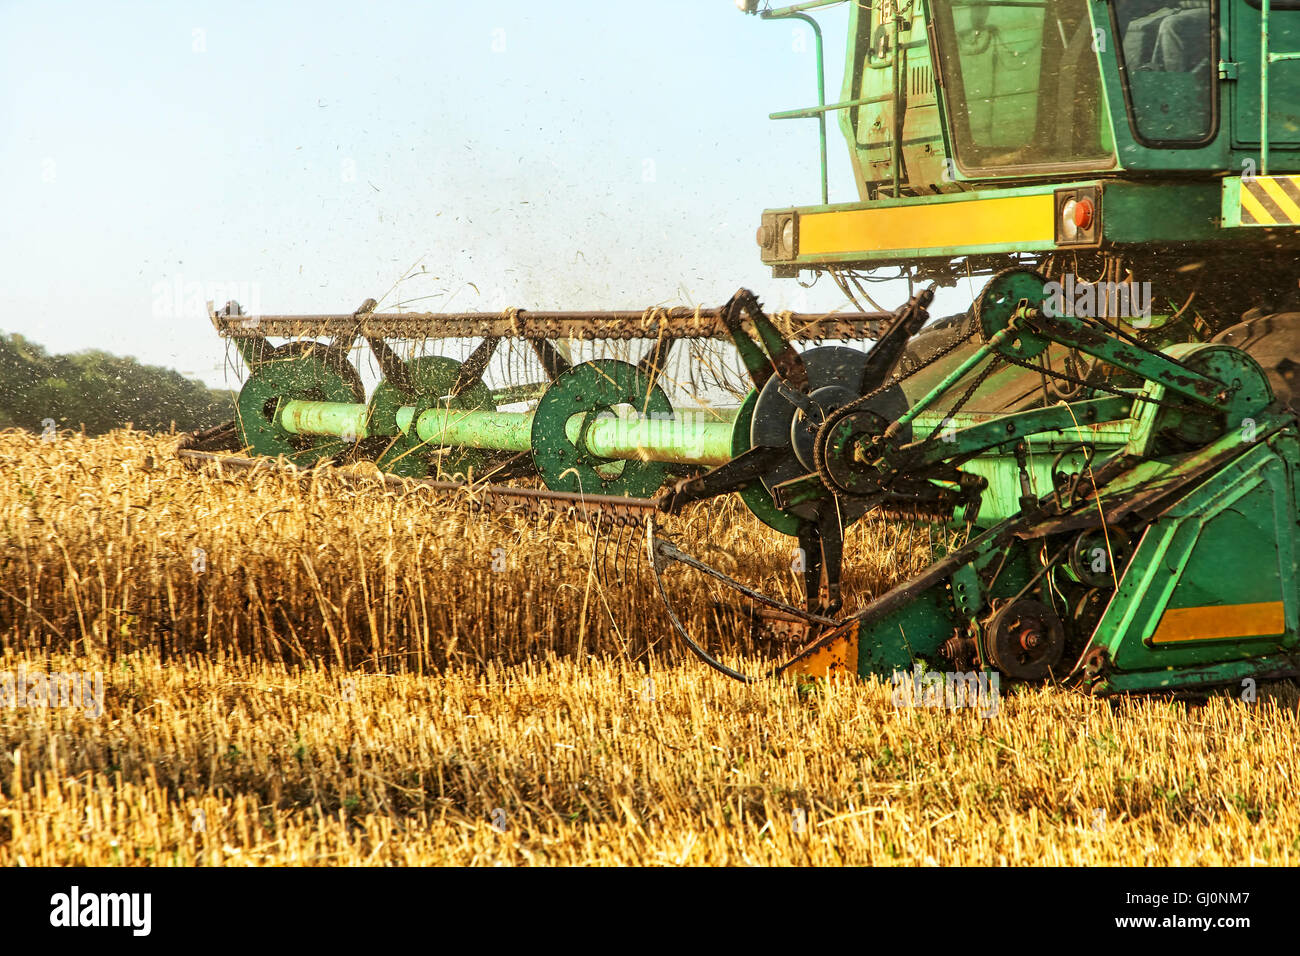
(590,390)
(432,378)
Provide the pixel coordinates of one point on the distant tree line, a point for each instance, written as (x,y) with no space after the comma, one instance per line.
(100,391)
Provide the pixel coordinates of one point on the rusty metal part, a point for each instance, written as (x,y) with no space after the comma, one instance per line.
(1095,662)
(959,649)
(674,323)
(391,364)
(1025,640)
(888,350)
(223,437)
(663,552)
(936,509)
(471,372)
(600,510)
(742,470)
(553,363)
(784,359)
(1087,611)
(771,626)
(345,340)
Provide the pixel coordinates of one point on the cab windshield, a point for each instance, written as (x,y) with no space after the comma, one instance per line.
(1023,86)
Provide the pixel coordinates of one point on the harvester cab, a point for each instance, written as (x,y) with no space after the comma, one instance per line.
(1121,135)
(1105,434)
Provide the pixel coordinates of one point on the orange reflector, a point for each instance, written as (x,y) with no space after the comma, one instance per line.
(1220,621)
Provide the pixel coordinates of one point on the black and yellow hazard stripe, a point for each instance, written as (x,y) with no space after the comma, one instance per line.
(1270,201)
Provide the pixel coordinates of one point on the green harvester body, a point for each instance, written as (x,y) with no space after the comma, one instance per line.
(1106,441)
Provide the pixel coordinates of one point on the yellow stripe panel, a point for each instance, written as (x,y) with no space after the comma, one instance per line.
(1216,622)
(1271,200)
(1251,205)
(1284,202)
(973,222)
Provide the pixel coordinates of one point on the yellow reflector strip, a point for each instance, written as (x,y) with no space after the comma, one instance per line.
(1220,621)
(972,222)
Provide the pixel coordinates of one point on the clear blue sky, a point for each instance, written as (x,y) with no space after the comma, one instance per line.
(303,156)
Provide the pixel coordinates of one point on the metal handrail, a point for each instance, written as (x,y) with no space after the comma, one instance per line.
(796,13)
(818,112)
(810,111)
(799,8)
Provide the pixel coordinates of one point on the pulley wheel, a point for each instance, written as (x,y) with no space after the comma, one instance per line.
(996,305)
(1098,558)
(303,371)
(1273,341)
(590,390)
(1088,610)
(432,379)
(833,372)
(833,453)
(1247,382)
(1025,640)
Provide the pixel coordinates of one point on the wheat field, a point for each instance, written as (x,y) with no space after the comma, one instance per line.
(322,673)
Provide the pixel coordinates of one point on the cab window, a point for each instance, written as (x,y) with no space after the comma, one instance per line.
(1022,85)
(1169,64)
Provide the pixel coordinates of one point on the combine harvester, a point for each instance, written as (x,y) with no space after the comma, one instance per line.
(1110,422)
